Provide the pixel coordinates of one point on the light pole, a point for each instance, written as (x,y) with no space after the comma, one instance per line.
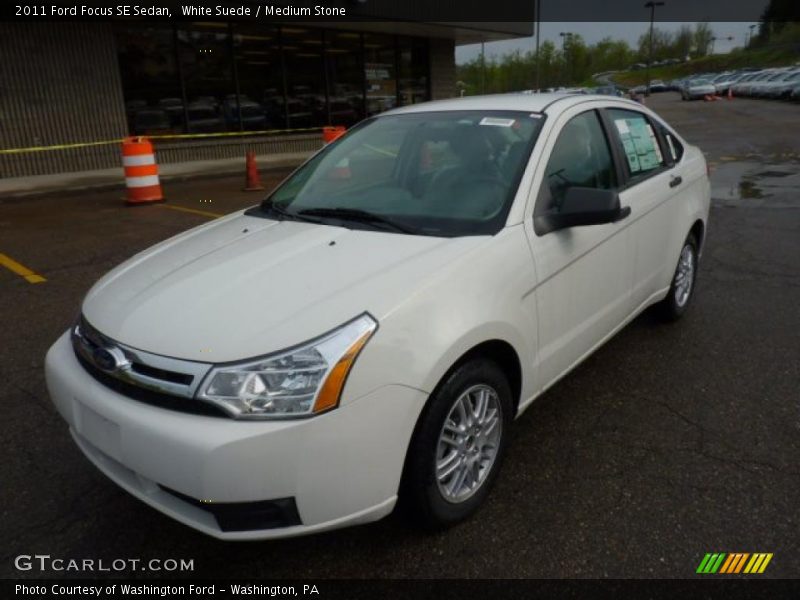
(538,16)
(565,36)
(652,7)
(750,37)
(483,67)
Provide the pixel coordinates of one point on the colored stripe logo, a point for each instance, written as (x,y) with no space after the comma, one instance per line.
(734,563)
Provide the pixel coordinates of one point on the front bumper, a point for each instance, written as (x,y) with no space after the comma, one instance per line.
(340,468)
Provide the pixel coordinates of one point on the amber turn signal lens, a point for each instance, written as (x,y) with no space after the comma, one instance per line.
(328,396)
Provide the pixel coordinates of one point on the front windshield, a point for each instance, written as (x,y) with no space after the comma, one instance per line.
(434,173)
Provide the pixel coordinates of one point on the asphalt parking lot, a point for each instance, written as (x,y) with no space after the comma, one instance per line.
(671,441)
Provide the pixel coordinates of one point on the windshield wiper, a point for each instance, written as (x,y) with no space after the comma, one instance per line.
(355,214)
(269,206)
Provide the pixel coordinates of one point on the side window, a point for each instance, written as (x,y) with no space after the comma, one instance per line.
(638,140)
(580,158)
(673,146)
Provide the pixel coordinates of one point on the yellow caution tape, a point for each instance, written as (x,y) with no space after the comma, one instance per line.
(166,136)
(57,147)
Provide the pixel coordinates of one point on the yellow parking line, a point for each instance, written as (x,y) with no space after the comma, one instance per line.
(204,213)
(20,270)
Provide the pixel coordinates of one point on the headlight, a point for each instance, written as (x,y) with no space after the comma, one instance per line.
(305,380)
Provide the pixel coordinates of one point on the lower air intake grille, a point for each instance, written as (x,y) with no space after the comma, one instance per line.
(247,516)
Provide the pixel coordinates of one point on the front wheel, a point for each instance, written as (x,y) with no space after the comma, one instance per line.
(683,282)
(459,444)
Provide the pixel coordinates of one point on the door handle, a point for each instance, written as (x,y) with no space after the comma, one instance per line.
(675,181)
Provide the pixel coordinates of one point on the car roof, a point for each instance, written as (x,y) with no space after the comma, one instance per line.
(538,103)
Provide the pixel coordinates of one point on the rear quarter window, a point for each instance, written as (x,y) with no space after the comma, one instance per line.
(674,147)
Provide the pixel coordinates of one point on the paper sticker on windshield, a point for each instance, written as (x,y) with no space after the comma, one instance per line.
(497,122)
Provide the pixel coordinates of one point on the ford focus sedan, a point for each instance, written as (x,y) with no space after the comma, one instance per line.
(370,331)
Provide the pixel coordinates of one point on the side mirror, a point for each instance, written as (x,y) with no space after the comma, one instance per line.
(583,206)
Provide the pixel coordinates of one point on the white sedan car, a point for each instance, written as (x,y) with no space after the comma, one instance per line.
(371,330)
(695,89)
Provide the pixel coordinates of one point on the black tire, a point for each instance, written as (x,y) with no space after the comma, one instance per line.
(674,306)
(420,493)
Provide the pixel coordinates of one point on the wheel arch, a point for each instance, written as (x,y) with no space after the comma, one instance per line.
(500,351)
(698,230)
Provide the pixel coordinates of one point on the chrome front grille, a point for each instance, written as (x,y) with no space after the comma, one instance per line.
(134,367)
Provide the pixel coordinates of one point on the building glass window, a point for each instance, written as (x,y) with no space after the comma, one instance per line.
(258,68)
(380,66)
(204,52)
(413,66)
(305,77)
(149,77)
(345,77)
(206,77)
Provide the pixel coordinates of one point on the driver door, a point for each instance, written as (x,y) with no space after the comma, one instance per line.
(584,273)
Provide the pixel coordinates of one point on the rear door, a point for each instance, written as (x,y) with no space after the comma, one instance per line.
(652,185)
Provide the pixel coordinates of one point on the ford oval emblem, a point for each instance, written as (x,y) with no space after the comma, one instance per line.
(104,359)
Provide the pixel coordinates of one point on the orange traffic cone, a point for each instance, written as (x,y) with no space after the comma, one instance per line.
(141,172)
(253,179)
(330,134)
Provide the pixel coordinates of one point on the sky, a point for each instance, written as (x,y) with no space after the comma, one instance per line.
(594,32)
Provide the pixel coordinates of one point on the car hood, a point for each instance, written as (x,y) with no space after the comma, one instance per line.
(245,286)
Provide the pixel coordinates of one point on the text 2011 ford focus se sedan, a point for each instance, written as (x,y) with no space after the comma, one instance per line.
(372,329)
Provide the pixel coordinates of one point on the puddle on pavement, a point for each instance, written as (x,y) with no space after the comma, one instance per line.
(748,180)
(748,189)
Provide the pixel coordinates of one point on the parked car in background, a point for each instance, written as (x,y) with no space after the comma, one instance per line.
(724,81)
(174,109)
(738,87)
(746,85)
(151,121)
(204,118)
(253,115)
(607,90)
(694,89)
(760,87)
(675,85)
(207,100)
(373,328)
(657,86)
(780,87)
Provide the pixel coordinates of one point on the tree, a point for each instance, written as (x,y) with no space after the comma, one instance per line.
(516,71)
(548,64)
(663,42)
(684,40)
(702,39)
(777,15)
